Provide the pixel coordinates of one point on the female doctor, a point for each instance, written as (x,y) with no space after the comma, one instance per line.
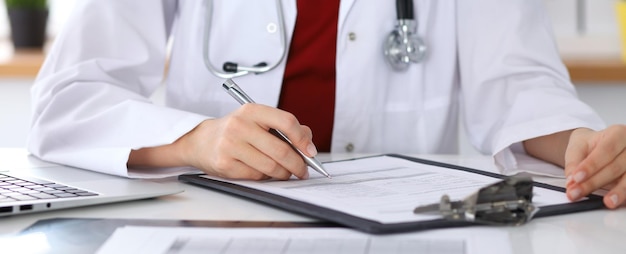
(339,77)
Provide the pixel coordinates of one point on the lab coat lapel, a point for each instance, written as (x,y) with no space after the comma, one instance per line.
(344,8)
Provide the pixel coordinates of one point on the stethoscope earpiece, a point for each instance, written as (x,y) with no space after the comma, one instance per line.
(231,67)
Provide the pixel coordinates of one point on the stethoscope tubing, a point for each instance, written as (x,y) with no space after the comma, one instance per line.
(404,10)
(243,70)
(401,47)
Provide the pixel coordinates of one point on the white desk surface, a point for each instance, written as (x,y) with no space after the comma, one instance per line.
(600,231)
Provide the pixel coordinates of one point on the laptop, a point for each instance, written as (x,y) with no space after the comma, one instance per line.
(55,187)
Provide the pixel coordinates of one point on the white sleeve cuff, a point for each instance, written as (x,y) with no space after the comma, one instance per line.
(513,160)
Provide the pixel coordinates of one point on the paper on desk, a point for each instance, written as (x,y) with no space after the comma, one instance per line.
(171,240)
(386,189)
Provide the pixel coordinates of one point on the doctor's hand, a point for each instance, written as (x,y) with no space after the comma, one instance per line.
(239,146)
(595,160)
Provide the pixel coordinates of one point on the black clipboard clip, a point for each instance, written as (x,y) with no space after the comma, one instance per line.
(507,202)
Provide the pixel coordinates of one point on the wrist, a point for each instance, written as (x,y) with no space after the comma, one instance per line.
(550,148)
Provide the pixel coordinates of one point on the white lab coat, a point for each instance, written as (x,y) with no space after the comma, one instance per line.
(493,61)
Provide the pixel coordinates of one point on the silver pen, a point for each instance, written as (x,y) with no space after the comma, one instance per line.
(239,95)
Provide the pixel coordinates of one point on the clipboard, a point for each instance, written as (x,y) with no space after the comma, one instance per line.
(366,225)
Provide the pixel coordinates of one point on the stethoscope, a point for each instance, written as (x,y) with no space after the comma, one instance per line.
(401,48)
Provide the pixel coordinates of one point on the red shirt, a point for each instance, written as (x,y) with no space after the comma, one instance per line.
(308,89)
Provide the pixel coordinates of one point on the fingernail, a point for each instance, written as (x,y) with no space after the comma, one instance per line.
(311,150)
(578,177)
(306,175)
(575,193)
(614,199)
(568,180)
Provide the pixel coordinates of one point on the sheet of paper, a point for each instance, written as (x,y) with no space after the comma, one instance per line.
(169,240)
(386,189)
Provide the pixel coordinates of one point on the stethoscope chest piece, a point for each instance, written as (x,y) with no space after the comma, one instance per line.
(403,46)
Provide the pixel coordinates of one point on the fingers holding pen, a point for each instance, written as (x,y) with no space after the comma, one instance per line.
(273,146)
(276,119)
(242,146)
(291,125)
(241,159)
(214,147)
(299,135)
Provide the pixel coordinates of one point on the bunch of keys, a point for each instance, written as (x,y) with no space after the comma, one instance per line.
(507,202)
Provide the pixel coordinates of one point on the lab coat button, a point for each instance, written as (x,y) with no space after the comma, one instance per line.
(271,28)
(349,147)
(352,36)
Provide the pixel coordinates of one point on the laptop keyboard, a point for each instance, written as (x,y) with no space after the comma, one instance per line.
(20,188)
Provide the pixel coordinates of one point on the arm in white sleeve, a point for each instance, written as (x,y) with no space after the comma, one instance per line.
(91,101)
(514,85)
